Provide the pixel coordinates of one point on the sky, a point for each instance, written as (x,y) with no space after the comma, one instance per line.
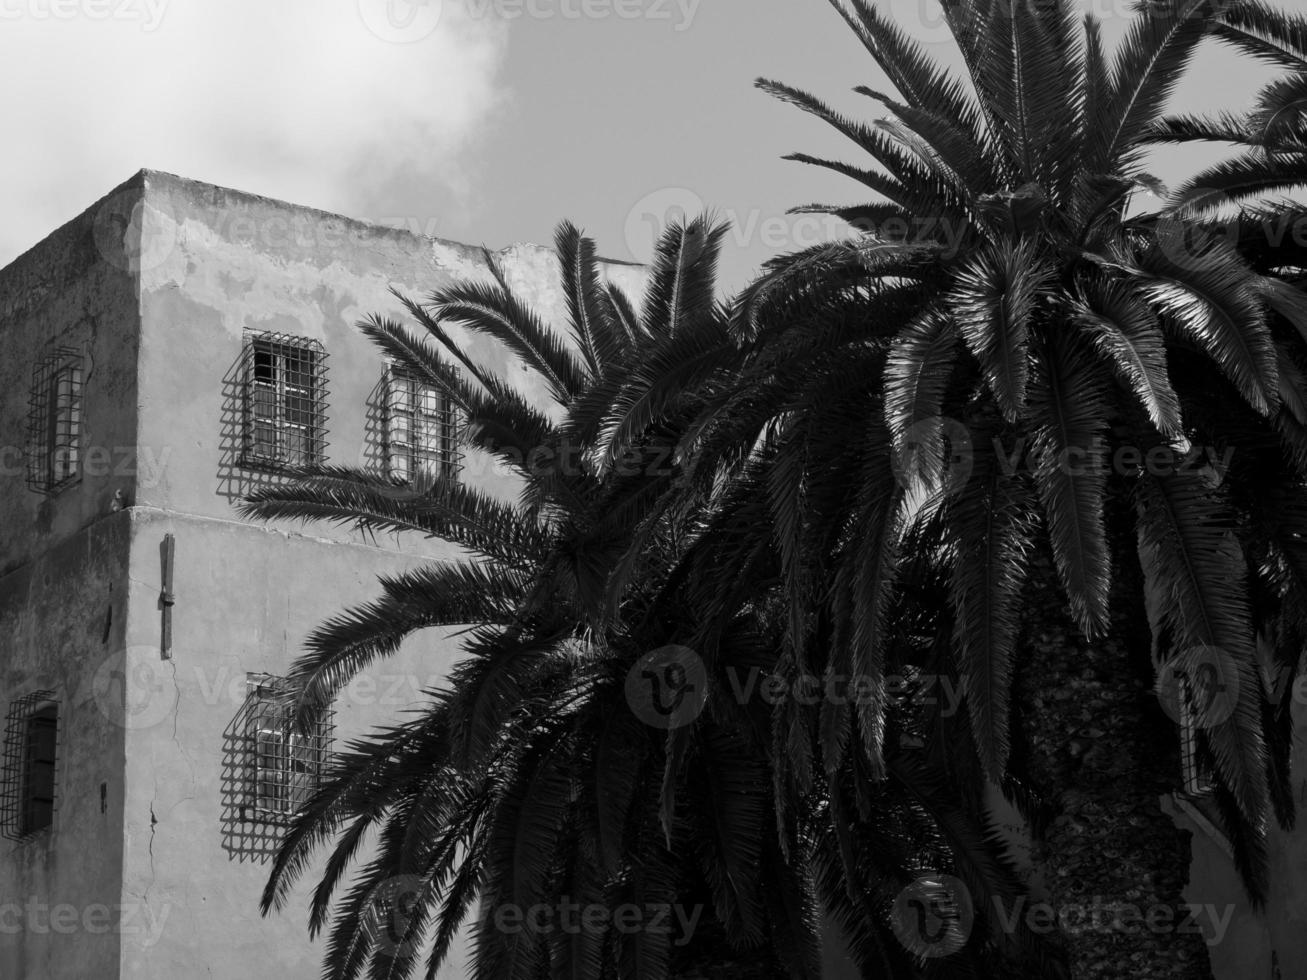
(481,121)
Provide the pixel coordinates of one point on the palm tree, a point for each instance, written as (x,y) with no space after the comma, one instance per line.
(984,409)
(1272,134)
(529,780)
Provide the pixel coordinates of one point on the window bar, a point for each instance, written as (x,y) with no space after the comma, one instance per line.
(421,430)
(54,421)
(22,814)
(285,401)
(286,763)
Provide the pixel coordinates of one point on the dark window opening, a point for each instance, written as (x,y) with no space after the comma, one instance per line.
(38,784)
(28,782)
(1195,770)
(54,437)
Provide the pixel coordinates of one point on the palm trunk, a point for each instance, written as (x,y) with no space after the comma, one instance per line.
(1098,754)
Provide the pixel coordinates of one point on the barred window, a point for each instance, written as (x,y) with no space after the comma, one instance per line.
(285,401)
(421,430)
(287,762)
(27,799)
(54,431)
(1197,774)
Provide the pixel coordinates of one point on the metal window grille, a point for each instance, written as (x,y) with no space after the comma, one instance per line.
(27,789)
(286,763)
(422,430)
(54,421)
(1197,774)
(285,401)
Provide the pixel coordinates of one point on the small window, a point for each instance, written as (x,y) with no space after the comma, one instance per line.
(38,788)
(54,443)
(1197,774)
(27,800)
(285,401)
(287,763)
(421,431)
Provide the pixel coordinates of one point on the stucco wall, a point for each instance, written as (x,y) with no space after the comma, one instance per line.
(227,263)
(69,290)
(246,597)
(61,616)
(215,264)
(63,595)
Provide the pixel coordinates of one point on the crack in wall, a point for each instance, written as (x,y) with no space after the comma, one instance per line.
(154,822)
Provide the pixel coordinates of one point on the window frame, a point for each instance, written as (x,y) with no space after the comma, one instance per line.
(44,719)
(282,779)
(1195,772)
(55,421)
(291,399)
(28,718)
(425,459)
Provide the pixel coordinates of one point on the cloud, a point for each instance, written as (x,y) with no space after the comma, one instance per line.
(320,102)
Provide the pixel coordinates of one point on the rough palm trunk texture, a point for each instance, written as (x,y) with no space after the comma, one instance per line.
(1098,755)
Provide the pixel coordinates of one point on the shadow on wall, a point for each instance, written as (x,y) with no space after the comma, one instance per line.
(237,479)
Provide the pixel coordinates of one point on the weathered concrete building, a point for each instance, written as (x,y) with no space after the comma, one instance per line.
(162,355)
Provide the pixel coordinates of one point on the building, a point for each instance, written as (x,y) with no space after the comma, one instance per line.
(164,353)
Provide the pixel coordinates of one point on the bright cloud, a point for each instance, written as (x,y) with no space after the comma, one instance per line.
(321,102)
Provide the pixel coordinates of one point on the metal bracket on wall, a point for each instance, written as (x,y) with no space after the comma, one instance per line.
(167,552)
